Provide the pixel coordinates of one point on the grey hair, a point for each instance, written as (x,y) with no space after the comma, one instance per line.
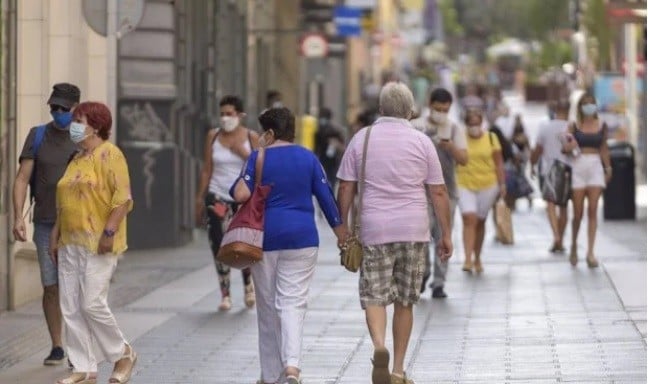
(396,100)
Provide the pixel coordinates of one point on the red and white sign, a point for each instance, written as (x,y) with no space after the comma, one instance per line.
(313,45)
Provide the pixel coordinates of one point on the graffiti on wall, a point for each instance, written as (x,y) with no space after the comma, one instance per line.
(143,123)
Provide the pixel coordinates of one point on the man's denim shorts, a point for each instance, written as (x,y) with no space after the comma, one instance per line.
(48,270)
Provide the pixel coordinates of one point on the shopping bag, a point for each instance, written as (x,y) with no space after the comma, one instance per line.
(517,185)
(504,230)
(557,184)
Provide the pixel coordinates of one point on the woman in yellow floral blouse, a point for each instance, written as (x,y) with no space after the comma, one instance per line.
(93,198)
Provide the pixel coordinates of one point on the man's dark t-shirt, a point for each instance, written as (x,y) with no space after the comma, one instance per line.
(329,161)
(52,159)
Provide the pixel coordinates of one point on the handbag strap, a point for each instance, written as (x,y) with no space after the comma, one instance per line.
(363,166)
(258,167)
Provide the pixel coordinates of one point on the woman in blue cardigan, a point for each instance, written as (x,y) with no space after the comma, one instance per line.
(290,244)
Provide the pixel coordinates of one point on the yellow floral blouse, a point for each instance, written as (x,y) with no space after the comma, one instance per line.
(92,186)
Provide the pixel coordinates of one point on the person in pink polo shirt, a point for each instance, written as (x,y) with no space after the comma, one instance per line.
(401,163)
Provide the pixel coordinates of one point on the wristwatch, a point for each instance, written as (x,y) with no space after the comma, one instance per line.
(108,232)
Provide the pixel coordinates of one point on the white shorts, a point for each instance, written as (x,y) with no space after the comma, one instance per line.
(587,171)
(478,202)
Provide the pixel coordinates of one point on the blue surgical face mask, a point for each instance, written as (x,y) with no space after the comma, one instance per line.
(77,132)
(62,119)
(588,109)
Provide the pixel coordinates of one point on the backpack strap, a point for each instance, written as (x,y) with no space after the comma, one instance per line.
(38,141)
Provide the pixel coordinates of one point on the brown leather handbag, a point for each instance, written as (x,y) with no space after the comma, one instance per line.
(242,244)
(351,252)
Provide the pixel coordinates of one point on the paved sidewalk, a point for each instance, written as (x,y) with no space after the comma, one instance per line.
(530,318)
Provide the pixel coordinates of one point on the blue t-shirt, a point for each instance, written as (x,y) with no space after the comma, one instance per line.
(295,175)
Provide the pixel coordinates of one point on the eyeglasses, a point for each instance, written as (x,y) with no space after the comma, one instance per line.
(56,108)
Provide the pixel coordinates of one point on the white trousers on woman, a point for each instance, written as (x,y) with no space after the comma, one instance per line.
(282,280)
(84,278)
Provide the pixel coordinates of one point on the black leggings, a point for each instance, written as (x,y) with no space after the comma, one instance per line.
(216,232)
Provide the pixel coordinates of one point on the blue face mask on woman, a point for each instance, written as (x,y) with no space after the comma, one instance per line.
(77,132)
(588,109)
(62,119)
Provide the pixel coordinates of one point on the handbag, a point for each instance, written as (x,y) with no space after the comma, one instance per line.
(556,187)
(242,243)
(517,184)
(351,252)
(504,225)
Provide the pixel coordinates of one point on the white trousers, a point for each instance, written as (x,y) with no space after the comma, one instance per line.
(84,278)
(282,280)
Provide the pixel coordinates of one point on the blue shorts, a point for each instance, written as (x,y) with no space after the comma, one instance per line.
(48,270)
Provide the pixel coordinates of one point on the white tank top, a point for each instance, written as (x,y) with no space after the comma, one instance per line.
(226,168)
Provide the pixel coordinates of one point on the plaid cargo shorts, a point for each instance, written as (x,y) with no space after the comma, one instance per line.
(392,273)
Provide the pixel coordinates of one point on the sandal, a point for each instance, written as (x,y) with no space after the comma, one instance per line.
(573,257)
(591,261)
(250,299)
(124,376)
(290,379)
(380,372)
(397,379)
(79,378)
(226,304)
(478,266)
(467,267)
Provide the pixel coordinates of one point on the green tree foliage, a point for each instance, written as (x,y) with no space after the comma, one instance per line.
(451,24)
(555,53)
(596,23)
(524,19)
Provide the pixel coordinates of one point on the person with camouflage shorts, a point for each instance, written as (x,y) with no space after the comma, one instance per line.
(402,167)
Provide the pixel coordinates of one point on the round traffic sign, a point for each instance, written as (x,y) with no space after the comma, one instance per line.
(314,45)
(129,14)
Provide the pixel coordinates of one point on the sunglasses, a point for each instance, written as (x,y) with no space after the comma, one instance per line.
(56,108)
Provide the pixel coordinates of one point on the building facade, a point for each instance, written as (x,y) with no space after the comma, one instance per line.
(171,71)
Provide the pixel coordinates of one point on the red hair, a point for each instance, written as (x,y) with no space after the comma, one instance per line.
(97,115)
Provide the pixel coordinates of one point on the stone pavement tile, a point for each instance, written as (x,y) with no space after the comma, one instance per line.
(630,281)
(530,318)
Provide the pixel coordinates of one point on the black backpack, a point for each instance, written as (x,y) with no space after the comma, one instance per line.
(507,149)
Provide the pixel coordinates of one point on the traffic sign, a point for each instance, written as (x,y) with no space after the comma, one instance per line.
(129,14)
(314,45)
(347,21)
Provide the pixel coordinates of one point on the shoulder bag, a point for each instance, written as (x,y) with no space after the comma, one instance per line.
(351,253)
(242,244)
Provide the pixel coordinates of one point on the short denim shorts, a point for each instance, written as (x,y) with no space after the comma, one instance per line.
(48,270)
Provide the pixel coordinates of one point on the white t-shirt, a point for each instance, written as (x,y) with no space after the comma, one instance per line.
(550,136)
(505,124)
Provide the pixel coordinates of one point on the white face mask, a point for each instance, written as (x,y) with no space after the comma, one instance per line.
(263,142)
(474,130)
(77,132)
(439,117)
(229,123)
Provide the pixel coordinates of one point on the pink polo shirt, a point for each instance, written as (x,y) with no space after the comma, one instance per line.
(400,162)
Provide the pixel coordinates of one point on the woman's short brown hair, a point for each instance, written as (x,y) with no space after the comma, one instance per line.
(97,115)
(281,121)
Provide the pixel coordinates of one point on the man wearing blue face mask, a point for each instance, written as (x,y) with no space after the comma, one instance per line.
(43,160)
